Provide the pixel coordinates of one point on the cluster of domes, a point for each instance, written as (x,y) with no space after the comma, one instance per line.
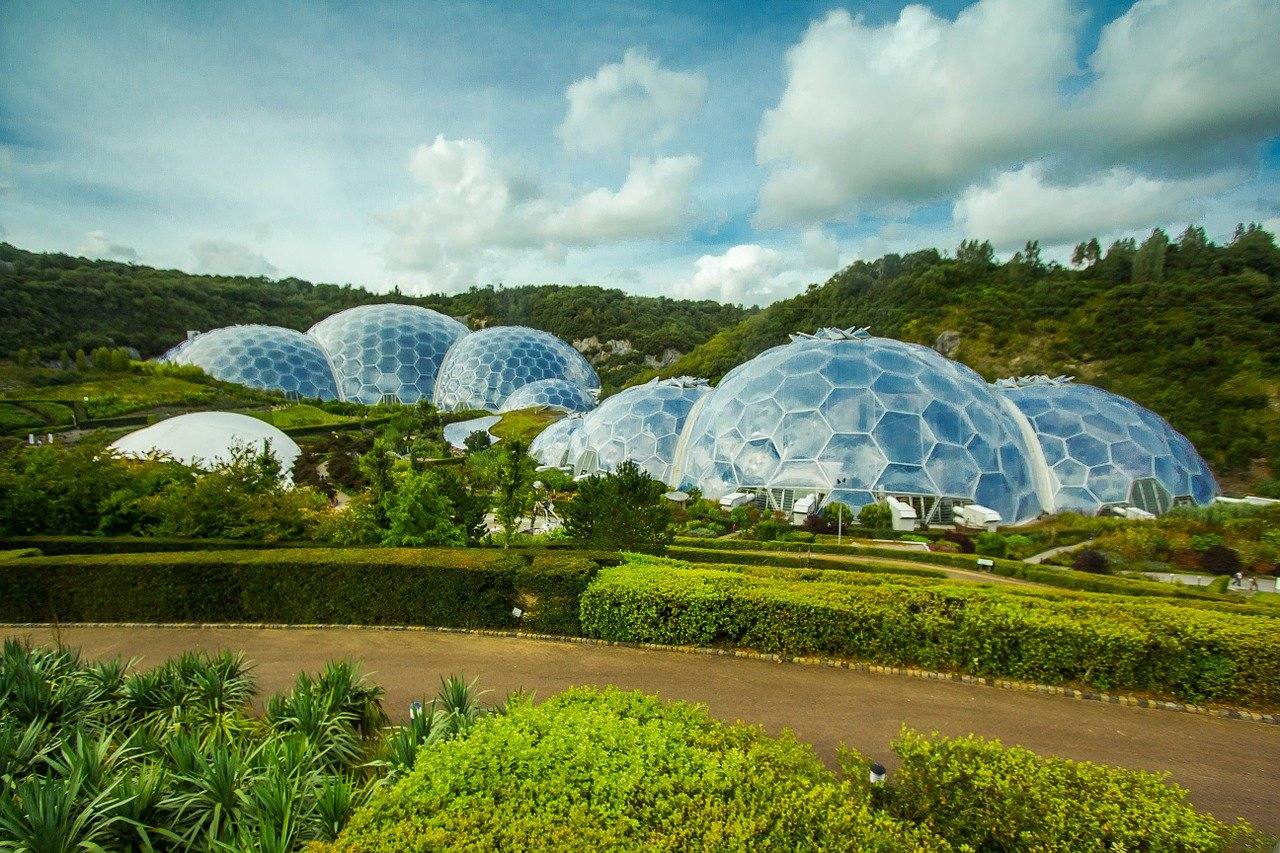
(848,417)
(838,415)
(399,353)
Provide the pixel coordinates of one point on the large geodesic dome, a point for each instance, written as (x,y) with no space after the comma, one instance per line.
(642,424)
(387,353)
(551,446)
(484,368)
(852,417)
(205,439)
(550,394)
(267,357)
(1102,449)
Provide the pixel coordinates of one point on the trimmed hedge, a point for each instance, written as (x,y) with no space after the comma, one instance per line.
(61,545)
(1103,644)
(980,795)
(1061,578)
(451,587)
(711,555)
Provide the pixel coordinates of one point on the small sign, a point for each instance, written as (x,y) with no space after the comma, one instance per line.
(415,708)
(517,612)
(986,564)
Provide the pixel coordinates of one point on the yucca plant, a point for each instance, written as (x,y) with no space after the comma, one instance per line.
(336,799)
(208,798)
(142,817)
(307,712)
(21,747)
(44,815)
(460,702)
(347,691)
(401,743)
(93,759)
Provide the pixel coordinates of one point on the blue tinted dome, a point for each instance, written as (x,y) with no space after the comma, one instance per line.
(481,370)
(551,446)
(849,415)
(268,357)
(642,424)
(552,394)
(387,351)
(1103,449)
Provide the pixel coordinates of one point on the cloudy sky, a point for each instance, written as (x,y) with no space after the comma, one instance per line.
(735,151)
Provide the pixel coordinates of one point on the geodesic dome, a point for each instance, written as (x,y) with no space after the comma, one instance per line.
(552,394)
(481,370)
(268,357)
(551,446)
(642,424)
(204,439)
(382,352)
(1102,449)
(853,416)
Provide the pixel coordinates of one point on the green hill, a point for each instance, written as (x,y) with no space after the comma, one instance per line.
(54,302)
(1185,327)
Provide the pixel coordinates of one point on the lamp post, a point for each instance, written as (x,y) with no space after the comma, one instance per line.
(840,514)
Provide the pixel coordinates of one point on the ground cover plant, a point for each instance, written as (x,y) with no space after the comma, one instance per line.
(97,755)
(1098,642)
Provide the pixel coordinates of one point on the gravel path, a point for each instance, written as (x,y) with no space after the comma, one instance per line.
(1231,767)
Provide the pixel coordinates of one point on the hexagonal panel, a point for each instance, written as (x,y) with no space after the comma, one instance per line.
(268,357)
(482,369)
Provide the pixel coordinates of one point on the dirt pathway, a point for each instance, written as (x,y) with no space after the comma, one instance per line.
(1231,767)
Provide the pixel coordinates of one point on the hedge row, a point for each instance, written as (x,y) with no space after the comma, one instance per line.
(1062,578)
(61,545)
(711,555)
(1104,644)
(452,587)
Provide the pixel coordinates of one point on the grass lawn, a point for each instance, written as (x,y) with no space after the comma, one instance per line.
(302,415)
(525,424)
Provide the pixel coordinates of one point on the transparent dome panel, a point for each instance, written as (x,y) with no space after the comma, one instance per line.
(484,368)
(382,352)
(267,357)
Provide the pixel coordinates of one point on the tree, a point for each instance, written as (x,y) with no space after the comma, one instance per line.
(515,488)
(977,254)
(375,465)
(622,511)
(418,513)
(477,440)
(1148,261)
(1087,253)
(837,513)
(877,516)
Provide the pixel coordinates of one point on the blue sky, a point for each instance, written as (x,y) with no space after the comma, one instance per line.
(734,151)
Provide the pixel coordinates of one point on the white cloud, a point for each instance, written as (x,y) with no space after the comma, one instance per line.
(1178,75)
(227,257)
(1023,204)
(634,98)
(751,274)
(911,108)
(922,106)
(97,245)
(475,219)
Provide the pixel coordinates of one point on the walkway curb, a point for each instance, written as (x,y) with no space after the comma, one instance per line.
(802,660)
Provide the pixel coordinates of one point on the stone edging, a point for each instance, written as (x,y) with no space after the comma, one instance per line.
(834,663)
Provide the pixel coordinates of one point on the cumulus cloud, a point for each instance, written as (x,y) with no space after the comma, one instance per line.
(751,274)
(1022,204)
(96,244)
(226,257)
(922,107)
(624,101)
(475,217)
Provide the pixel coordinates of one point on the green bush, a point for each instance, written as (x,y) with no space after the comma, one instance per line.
(451,587)
(62,545)
(876,516)
(978,793)
(991,545)
(1103,644)
(607,770)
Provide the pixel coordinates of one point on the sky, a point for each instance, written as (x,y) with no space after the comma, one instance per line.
(730,151)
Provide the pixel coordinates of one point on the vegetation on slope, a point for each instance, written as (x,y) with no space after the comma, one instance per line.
(56,302)
(1184,327)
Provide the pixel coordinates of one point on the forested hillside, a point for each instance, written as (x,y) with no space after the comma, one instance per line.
(1185,327)
(53,303)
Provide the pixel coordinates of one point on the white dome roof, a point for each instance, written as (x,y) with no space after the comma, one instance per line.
(206,438)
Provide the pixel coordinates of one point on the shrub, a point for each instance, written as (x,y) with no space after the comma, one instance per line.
(1090,560)
(1220,560)
(603,769)
(991,545)
(978,793)
(624,510)
(963,542)
(876,516)
(1104,644)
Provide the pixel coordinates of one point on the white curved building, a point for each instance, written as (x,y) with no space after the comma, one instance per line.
(204,439)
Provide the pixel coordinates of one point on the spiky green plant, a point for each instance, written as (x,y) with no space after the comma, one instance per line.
(460,702)
(55,815)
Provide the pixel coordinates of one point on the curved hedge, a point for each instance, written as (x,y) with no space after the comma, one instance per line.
(1107,644)
(607,770)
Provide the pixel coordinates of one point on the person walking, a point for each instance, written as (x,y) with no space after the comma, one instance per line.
(1237,580)
(1253,583)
